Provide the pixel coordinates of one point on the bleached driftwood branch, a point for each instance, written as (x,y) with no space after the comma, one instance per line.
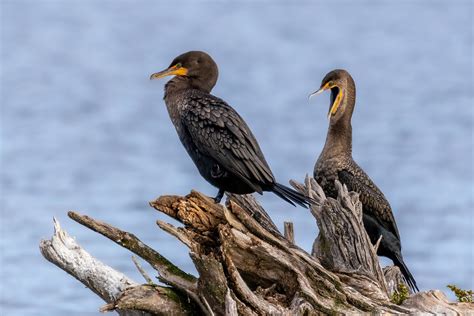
(247,267)
(122,294)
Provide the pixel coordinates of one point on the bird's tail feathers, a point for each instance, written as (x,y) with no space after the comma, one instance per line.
(291,196)
(406,273)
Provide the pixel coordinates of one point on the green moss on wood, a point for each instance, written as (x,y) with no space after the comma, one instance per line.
(463,296)
(400,295)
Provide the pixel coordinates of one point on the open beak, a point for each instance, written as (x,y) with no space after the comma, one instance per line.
(315,93)
(172,71)
(335,104)
(321,90)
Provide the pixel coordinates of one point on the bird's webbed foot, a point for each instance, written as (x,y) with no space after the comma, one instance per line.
(219,196)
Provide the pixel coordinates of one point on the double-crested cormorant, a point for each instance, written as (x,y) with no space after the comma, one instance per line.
(218,140)
(335,162)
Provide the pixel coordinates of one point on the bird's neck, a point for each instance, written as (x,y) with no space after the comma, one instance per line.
(174,99)
(338,140)
(175,86)
(180,83)
(339,136)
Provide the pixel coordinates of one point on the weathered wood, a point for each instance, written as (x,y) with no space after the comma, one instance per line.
(150,300)
(247,267)
(289,232)
(393,277)
(65,252)
(169,273)
(435,302)
(142,271)
(121,293)
(250,205)
(343,245)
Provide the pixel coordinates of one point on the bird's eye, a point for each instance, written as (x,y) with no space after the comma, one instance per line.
(178,65)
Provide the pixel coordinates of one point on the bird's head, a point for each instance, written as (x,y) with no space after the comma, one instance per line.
(342,86)
(198,68)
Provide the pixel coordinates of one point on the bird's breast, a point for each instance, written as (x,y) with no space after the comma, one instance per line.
(325,173)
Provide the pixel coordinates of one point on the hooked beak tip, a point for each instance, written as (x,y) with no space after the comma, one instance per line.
(315,93)
(158,75)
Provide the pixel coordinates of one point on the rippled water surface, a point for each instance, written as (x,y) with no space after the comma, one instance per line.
(83,128)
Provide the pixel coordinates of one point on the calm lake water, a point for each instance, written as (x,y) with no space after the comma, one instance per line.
(83,128)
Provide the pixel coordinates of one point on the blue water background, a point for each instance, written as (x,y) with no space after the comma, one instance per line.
(83,128)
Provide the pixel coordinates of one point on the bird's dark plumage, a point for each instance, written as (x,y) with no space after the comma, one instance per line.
(218,140)
(335,162)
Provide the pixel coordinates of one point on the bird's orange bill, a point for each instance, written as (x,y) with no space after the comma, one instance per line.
(176,70)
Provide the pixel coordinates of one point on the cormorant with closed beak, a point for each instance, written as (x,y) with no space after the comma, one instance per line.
(218,140)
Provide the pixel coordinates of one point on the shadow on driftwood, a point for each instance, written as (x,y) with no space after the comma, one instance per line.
(245,265)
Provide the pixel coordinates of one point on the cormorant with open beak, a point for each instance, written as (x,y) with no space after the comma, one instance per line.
(335,162)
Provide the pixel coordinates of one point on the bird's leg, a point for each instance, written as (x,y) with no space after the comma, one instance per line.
(219,196)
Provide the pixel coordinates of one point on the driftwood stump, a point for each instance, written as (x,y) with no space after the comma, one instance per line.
(245,265)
